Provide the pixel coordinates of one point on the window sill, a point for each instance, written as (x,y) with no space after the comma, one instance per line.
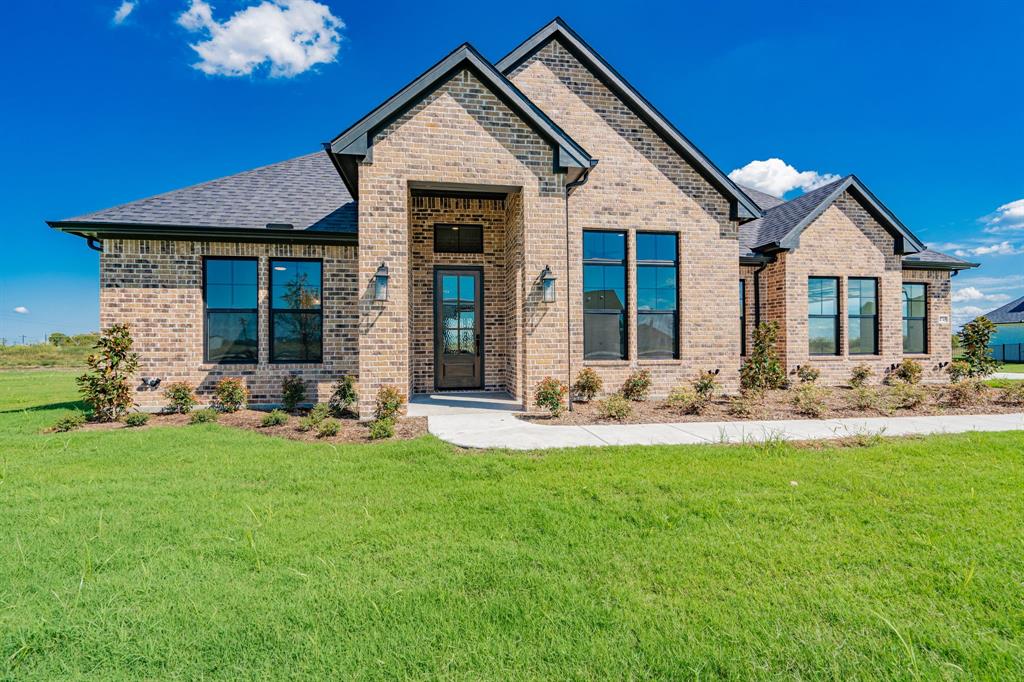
(606,363)
(660,361)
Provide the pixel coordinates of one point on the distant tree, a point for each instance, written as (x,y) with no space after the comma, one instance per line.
(58,339)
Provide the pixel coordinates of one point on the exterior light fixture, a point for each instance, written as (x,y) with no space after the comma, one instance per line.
(547,283)
(380,284)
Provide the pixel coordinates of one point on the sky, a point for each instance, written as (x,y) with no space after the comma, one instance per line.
(108,101)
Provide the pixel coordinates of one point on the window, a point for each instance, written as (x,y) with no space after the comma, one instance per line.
(743,317)
(296,311)
(862,305)
(230,295)
(915,318)
(823,315)
(656,295)
(458,239)
(604,295)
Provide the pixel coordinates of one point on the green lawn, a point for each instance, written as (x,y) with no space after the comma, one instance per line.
(208,552)
(1011,367)
(44,355)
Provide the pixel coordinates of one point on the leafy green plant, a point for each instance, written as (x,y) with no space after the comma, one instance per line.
(807,374)
(382,428)
(388,403)
(975,337)
(906,396)
(69,422)
(308,424)
(705,385)
(274,418)
(637,386)
(747,404)
(136,419)
(966,393)
(181,397)
(328,428)
(106,386)
(293,392)
(205,416)
(615,407)
(860,375)
(588,385)
(908,372)
(763,369)
(343,396)
(550,394)
(958,370)
(866,399)
(810,400)
(319,412)
(686,400)
(231,394)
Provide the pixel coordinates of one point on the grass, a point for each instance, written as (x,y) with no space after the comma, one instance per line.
(203,551)
(1012,367)
(43,355)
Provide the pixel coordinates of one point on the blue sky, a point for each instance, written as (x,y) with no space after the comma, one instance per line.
(107,101)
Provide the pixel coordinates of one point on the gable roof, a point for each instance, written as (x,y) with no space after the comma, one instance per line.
(935,260)
(303,192)
(764,201)
(743,207)
(356,142)
(1011,313)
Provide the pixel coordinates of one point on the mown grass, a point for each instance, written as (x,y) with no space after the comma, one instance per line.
(43,355)
(207,552)
(1015,367)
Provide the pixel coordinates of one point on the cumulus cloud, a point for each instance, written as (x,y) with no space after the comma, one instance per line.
(21,310)
(776,177)
(1007,218)
(1003,248)
(122,12)
(289,36)
(976,294)
(964,314)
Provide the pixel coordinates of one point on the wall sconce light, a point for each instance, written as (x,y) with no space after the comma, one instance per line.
(380,284)
(547,283)
(150,383)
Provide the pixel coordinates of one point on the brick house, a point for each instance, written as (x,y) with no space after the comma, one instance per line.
(495,223)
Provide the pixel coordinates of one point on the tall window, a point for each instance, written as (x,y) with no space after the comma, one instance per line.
(823,315)
(915,318)
(743,317)
(296,311)
(604,295)
(230,295)
(656,276)
(862,305)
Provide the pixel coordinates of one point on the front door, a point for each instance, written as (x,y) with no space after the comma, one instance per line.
(458,329)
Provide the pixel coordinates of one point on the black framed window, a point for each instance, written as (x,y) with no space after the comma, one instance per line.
(657,268)
(458,238)
(743,317)
(823,315)
(296,310)
(862,308)
(604,295)
(230,295)
(915,318)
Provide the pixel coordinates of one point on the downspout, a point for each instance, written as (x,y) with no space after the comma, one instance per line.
(757,293)
(569,187)
(94,244)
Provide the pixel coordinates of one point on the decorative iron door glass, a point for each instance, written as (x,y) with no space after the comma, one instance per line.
(457,342)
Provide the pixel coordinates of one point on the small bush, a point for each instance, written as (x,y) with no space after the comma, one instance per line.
(231,394)
(389,403)
(203,416)
(763,369)
(106,386)
(904,396)
(807,374)
(637,386)
(549,394)
(181,397)
(614,407)
(963,394)
(293,392)
(746,405)
(686,400)
(328,428)
(907,372)
(860,375)
(69,422)
(343,396)
(975,337)
(1013,394)
(382,428)
(319,412)
(866,399)
(958,370)
(809,400)
(136,419)
(308,424)
(588,385)
(705,385)
(274,418)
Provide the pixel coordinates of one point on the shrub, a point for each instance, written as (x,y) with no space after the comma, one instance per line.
(705,385)
(1013,394)
(328,428)
(904,396)
(963,394)
(975,337)
(588,385)
(308,424)
(860,375)
(382,428)
(231,394)
(809,400)
(549,394)
(958,370)
(105,387)
(319,412)
(181,397)
(866,399)
(343,396)
(908,372)
(389,402)
(686,400)
(274,418)
(637,386)
(69,422)
(763,370)
(205,416)
(293,392)
(746,404)
(807,374)
(136,419)
(614,407)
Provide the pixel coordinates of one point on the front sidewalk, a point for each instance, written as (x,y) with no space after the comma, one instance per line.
(504,430)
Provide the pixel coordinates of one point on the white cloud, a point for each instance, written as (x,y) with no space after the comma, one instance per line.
(1007,218)
(776,177)
(291,36)
(1003,248)
(964,314)
(123,11)
(976,294)
(993,283)
(21,310)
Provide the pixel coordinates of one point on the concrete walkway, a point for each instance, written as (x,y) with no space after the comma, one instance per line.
(495,429)
(1008,375)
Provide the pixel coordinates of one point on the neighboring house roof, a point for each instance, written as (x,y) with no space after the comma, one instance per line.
(764,201)
(355,143)
(303,192)
(557,29)
(1011,313)
(935,260)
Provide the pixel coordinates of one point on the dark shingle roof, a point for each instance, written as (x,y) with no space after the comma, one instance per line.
(1010,313)
(930,257)
(764,201)
(779,220)
(305,192)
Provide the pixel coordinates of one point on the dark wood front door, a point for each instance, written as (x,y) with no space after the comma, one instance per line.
(458,328)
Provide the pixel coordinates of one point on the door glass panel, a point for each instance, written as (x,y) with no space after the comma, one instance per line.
(467,290)
(449,288)
(451,341)
(451,315)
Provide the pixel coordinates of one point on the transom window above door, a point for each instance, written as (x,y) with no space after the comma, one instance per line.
(458,238)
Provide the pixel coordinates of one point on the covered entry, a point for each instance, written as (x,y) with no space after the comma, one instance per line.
(458,328)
